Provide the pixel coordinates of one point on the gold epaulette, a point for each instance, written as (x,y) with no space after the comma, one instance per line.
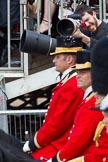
(98,131)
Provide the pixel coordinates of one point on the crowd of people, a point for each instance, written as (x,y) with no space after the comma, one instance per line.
(75,128)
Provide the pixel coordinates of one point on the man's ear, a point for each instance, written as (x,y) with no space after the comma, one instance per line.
(71,59)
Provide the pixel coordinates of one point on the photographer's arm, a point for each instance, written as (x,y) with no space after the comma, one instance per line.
(85,38)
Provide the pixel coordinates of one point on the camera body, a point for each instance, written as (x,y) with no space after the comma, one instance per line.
(68,41)
(34,43)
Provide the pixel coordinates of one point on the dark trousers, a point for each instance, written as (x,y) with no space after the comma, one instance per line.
(11,150)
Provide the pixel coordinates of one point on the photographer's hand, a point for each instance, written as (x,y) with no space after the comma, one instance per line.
(85,38)
(78,33)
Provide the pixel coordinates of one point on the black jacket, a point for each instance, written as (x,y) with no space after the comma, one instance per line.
(102,31)
(11,150)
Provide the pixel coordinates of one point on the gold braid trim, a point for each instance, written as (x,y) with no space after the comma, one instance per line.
(98,131)
(79,159)
(58,158)
(90,96)
(36,142)
(68,77)
(60,50)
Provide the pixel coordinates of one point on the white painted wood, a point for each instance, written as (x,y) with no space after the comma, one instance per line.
(31,83)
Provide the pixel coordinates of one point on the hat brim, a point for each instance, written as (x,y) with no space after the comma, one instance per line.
(86,65)
(60,50)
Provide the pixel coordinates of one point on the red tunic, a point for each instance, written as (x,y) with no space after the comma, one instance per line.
(100,152)
(66,97)
(81,135)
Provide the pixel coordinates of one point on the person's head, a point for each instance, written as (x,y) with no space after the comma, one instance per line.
(99,69)
(88,16)
(99,74)
(63,61)
(83,66)
(65,53)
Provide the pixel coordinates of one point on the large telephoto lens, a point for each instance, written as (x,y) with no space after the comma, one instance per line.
(35,43)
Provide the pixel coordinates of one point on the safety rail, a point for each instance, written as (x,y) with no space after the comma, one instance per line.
(17,63)
(23,123)
(19,68)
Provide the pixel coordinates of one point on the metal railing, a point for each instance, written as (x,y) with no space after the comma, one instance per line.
(23,123)
(3,104)
(16,65)
(20,69)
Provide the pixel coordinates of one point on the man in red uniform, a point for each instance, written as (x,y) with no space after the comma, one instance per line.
(64,102)
(99,59)
(86,120)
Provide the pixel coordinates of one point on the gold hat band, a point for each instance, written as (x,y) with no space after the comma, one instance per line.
(66,50)
(83,66)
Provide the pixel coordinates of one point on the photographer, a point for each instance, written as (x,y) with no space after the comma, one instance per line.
(97,28)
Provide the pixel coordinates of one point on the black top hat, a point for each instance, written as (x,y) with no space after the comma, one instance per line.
(67,44)
(83,60)
(99,69)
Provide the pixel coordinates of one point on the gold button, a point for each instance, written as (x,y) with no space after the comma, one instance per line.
(41,158)
(43,121)
(104,159)
(70,131)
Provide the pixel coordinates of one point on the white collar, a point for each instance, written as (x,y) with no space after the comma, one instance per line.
(66,72)
(87,91)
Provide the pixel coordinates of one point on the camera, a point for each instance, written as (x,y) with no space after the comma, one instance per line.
(35,43)
(68,26)
(68,41)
